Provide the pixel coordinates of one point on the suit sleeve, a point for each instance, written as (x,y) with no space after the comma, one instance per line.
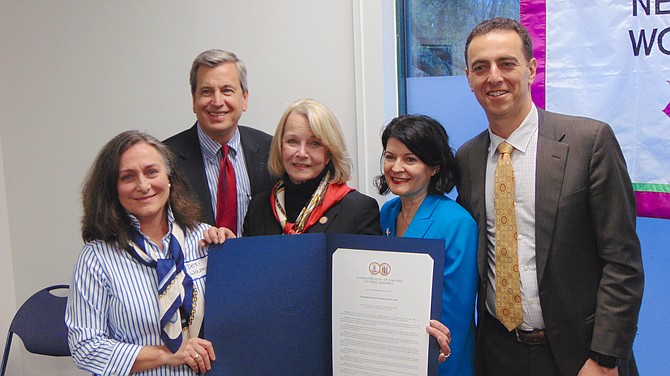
(613,210)
(367,222)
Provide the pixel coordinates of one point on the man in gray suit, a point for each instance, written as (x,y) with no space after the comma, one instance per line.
(579,257)
(220,92)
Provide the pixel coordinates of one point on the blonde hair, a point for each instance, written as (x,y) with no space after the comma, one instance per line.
(326,129)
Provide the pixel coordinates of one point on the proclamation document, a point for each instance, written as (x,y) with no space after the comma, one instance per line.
(380,309)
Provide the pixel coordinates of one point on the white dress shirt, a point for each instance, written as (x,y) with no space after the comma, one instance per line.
(524,140)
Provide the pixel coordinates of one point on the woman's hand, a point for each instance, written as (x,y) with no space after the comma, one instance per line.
(196,353)
(216,235)
(443,337)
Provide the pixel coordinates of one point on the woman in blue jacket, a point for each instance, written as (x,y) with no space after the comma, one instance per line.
(419,167)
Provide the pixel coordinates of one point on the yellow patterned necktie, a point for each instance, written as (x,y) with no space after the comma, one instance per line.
(508,283)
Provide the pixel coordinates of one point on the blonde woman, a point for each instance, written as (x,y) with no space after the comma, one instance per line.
(310,158)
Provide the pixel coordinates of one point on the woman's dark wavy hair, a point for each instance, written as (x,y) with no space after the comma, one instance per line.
(104,218)
(426,138)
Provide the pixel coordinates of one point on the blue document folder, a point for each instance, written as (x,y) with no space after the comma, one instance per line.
(268,300)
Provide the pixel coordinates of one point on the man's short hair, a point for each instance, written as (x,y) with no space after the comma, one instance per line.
(213,58)
(501,23)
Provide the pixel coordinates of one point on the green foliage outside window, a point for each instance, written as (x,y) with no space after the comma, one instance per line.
(436,31)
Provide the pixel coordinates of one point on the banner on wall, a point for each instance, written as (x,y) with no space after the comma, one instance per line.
(611,61)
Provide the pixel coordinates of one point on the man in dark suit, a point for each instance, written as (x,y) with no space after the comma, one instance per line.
(579,258)
(219,90)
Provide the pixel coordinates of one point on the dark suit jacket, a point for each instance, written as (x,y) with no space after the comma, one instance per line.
(186,147)
(589,266)
(356,213)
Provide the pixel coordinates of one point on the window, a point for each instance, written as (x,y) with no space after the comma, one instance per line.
(432,63)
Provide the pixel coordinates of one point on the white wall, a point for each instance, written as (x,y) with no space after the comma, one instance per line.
(75,73)
(9,306)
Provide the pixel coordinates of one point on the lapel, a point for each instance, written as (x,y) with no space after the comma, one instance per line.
(329,216)
(388,221)
(552,156)
(190,161)
(251,154)
(422,220)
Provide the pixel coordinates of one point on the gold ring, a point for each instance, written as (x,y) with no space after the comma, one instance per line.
(196,356)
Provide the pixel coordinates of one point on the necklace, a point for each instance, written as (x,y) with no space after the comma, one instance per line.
(402,216)
(410,205)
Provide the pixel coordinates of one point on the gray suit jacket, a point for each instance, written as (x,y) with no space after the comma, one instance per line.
(186,147)
(589,265)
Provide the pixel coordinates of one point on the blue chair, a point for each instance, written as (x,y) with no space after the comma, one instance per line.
(40,323)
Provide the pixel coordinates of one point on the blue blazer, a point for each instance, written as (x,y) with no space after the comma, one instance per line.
(440,217)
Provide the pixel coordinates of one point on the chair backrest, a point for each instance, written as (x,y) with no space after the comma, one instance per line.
(40,323)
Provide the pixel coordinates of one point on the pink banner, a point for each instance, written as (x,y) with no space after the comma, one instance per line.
(653,204)
(533,15)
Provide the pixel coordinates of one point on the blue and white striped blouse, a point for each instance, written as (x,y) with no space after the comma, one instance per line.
(112,309)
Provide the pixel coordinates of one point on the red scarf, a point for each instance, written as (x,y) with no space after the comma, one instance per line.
(334,193)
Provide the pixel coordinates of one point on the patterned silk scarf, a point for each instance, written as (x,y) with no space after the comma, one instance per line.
(324,197)
(177,296)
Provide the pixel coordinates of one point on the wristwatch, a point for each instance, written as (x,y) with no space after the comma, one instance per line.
(606,361)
